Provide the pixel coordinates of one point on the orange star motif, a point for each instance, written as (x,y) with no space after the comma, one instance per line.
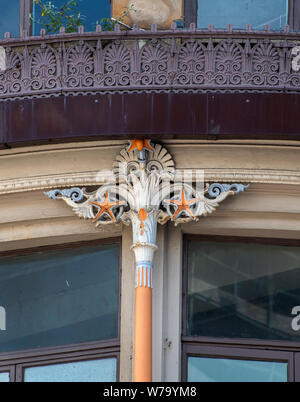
(105,207)
(182,205)
(139,145)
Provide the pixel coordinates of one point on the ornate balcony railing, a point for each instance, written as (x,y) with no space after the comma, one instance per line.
(132,61)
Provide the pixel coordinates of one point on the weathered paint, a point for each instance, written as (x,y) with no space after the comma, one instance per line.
(156,116)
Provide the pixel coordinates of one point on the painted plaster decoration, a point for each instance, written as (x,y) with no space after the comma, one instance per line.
(147,190)
(75,193)
(145,13)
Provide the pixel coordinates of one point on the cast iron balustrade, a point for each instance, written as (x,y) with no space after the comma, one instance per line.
(149,61)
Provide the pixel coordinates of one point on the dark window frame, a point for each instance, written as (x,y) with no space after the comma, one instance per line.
(15,362)
(221,352)
(294,14)
(190,12)
(11,369)
(25,25)
(235,348)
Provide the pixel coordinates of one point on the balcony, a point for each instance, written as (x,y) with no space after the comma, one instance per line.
(141,61)
(173,83)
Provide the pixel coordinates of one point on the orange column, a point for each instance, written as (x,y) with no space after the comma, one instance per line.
(143,324)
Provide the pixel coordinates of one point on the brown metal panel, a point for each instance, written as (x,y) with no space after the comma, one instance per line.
(150,115)
(254,116)
(35,121)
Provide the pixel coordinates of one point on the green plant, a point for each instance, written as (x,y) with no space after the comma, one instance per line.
(52,17)
(69,17)
(108,24)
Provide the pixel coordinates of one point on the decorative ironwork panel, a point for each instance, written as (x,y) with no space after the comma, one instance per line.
(175,60)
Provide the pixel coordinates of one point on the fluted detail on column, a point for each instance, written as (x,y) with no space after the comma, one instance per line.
(144,275)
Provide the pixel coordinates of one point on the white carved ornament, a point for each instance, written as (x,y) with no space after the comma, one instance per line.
(146,190)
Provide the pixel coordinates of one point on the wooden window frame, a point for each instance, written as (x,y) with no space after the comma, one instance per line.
(235,348)
(17,361)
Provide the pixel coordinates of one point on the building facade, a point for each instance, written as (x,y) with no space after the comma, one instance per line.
(105,273)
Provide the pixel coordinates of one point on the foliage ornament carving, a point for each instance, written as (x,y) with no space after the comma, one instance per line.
(145,191)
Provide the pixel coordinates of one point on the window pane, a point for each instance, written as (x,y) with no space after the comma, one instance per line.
(242,12)
(103,370)
(90,10)
(4,377)
(9,17)
(202,369)
(60,297)
(243,290)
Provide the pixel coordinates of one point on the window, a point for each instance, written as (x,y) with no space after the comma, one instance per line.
(238,297)
(15,15)
(62,313)
(9,18)
(242,12)
(4,376)
(224,364)
(90,10)
(239,13)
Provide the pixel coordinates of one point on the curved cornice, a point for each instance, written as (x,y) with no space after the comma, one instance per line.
(94,178)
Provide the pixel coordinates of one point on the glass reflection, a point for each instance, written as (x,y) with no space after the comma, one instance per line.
(103,370)
(91,11)
(239,13)
(4,377)
(202,369)
(60,297)
(9,17)
(242,290)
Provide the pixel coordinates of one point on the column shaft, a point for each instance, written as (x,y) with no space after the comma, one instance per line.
(143,325)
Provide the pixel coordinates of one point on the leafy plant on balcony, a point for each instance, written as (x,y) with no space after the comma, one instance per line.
(68,16)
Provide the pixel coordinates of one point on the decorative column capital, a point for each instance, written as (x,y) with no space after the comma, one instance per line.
(145,191)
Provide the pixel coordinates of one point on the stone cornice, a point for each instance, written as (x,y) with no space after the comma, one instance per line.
(100,178)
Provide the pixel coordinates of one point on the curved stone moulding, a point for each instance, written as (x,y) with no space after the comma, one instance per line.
(95,179)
